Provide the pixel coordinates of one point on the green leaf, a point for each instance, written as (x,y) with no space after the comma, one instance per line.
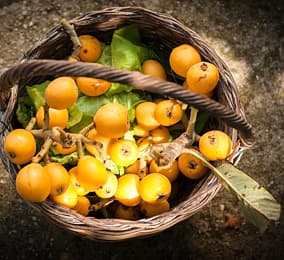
(127,51)
(201,121)
(75,115)
(24,111)
(70,159)
(85,120)
(90,105)
(36,93)
(259,205)
(105,57)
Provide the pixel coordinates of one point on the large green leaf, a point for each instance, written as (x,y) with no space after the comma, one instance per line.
(258,204)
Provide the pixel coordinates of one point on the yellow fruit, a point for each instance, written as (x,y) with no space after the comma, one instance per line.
(82,206)
(154,68)
(127,191)
(73,179)
(33,183)
(108,190)
(59,177)
(182,58)
(61,93)
(145,117)
(19,146)
(91,173)
(68,198)
(124,212)
(154,187)
(91,49)
(57,117)
(92,86)
(111,120)
(171,172)
(202,77)
(123,152)
(215,145)
(168,112)
(150,210)
(191,167)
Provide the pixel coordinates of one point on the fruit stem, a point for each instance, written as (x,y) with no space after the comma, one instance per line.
(101,204)
(31,124)
(45,117)
(192,121)
(43,151)
(80,150)
(69,28)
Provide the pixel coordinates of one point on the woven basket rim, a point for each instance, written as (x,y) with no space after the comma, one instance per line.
(103,21)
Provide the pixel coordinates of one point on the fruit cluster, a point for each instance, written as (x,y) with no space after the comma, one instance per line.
(113,171)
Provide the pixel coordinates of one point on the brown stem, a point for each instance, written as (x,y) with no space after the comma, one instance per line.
(80,150)
(192,121)
(69,28)
(165,154)
(101,204)
(31,124)
(43,151)
(86,129)
(45,117)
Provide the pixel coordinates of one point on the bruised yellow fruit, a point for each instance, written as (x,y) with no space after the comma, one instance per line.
(59,177)
(170,172)
(19,146)
(92,86)
(91,48)
(202,77)
(215,145)
(111,120)
(168,112)
(73,179)
(191,167)
(154,187)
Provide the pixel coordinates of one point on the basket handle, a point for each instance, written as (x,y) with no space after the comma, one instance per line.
(43,67)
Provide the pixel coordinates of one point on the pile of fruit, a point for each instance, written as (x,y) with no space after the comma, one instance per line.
(85,142)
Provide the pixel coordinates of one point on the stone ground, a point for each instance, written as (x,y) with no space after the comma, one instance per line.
(247,34)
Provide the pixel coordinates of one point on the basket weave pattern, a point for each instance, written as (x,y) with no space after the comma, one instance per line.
(160,31)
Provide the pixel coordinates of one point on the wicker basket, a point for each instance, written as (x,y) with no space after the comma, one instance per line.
(163,32)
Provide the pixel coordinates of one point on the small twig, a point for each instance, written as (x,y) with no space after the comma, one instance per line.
(165,154)
(192,120)
(43,151)
(31,124)
(45,117)
(86,129)
(80,150)
(101,204)
(69,28)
